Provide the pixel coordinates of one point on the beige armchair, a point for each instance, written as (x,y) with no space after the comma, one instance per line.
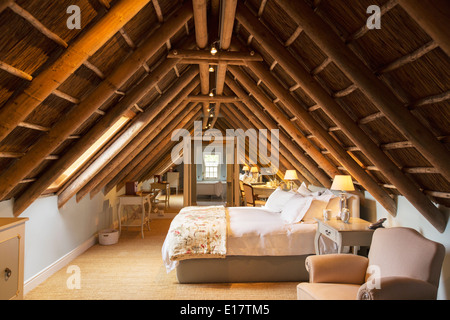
(401,265)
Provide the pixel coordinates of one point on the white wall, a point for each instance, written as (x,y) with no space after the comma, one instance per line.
(408,216)
(51,233)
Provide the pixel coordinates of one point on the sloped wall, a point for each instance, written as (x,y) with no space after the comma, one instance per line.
(52,233)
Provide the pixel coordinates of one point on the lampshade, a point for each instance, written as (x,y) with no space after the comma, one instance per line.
(343,183)
(254,169)
(245,168)
(290,175)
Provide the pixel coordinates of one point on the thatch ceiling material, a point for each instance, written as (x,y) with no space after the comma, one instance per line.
(372,103)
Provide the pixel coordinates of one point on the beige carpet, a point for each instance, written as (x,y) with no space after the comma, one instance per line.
(133,270)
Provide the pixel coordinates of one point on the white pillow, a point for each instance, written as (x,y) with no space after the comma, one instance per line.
(317,205)
(295,208)
(303,190)
(278,199)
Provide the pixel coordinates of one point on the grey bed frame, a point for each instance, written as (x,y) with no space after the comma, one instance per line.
(243,269)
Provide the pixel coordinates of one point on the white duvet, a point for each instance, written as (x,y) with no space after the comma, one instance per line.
(256,231)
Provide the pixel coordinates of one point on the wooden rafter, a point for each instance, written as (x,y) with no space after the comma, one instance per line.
(374,89)
(297,72)
(49,79)
(15,72)
(84,110)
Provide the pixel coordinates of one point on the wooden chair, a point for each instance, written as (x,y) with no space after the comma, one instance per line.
(250,198)
(241,189)
(157,188)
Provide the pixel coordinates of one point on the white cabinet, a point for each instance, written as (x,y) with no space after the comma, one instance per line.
(173,178)
(12,240)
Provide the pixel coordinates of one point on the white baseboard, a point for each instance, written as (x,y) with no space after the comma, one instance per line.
(40,277)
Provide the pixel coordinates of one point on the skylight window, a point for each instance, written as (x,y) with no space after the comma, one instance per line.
(90,152)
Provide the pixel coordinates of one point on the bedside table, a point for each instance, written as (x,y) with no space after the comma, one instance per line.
(355,233)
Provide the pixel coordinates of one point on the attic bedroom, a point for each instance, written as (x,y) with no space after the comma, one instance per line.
(224,150)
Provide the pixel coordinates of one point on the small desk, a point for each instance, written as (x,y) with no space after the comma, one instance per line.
(263,191)
(136,200)
(355,233)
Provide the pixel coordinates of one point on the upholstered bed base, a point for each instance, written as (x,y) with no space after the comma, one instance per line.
(243,269)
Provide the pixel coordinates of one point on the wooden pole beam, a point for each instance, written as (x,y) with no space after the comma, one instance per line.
(76,116)
(37,24)
(207,98)
(432,16)
(219,56)
(14,71)
(385,100)
(212,61)
(49,79)
(200,8)
(227,17)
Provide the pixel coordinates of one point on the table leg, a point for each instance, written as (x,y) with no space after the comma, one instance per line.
(339,243)
(143,217)
(316,242)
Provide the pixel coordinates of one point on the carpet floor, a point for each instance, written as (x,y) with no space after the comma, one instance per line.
(133,269)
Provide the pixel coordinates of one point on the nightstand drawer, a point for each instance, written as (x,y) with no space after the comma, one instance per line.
(327,231)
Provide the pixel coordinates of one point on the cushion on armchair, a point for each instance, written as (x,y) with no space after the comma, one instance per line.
(337,268)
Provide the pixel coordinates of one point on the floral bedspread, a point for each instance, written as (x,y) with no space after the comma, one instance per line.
(198,232)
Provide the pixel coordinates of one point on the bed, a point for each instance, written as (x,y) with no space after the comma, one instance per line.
(249,244)
(211,188)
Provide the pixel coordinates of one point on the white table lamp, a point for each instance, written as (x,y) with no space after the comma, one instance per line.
(342,183)
(290,175)
(254,171)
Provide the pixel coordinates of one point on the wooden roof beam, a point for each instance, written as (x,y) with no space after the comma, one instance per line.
(227,17)
(311,87)
(353,131)
(49,79)
(14,71)
(37,24)
(76,116)
(432,16)
(200,8)
(385,100)
(210,99)
(219,56)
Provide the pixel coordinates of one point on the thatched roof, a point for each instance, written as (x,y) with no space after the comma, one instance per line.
(373,103)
